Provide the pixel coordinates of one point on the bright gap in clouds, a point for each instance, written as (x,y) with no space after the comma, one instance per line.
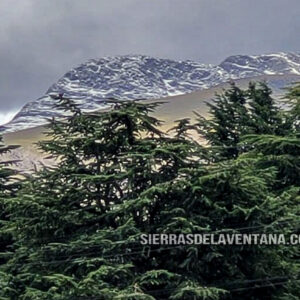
(5,117)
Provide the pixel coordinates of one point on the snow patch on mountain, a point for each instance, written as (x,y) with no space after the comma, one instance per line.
(136,76)
(269,64)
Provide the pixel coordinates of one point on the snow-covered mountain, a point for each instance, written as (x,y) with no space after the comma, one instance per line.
(137,76)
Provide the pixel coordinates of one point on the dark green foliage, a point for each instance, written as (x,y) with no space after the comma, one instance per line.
(293,116)
(8,189)
(229,120)
(239,112)
(265,117)
(282,152)
(82,208)
(77,226)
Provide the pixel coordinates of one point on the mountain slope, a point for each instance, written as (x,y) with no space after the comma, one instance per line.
(172,108)
(136,76)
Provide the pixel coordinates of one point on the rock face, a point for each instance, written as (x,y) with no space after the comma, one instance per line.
(135,76)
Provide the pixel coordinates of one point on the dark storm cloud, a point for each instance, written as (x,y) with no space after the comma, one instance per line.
(41,40)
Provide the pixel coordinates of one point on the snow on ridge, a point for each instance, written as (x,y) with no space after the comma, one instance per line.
(273,63)
(140,76)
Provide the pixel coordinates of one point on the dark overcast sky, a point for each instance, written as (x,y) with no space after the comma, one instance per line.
(40,40)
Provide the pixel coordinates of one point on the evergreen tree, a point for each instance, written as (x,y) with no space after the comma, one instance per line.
(73,232)
(234,197)
(265,116)
(239,112)
(8,188)
(277,143)
(78,226)
(228,121)
(293,115)
(282,154)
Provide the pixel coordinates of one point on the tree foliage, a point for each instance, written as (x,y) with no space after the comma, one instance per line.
(77,226)
(8,189)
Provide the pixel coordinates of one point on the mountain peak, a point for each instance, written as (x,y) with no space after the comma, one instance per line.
(135,76)
(269,64)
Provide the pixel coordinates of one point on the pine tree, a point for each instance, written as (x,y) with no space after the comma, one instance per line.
(8,188)
(293,103)
(228,121)
(76,222)
(277,142)
(282,153)
(236,113)
(9,185)
(78,226)
(265,116)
